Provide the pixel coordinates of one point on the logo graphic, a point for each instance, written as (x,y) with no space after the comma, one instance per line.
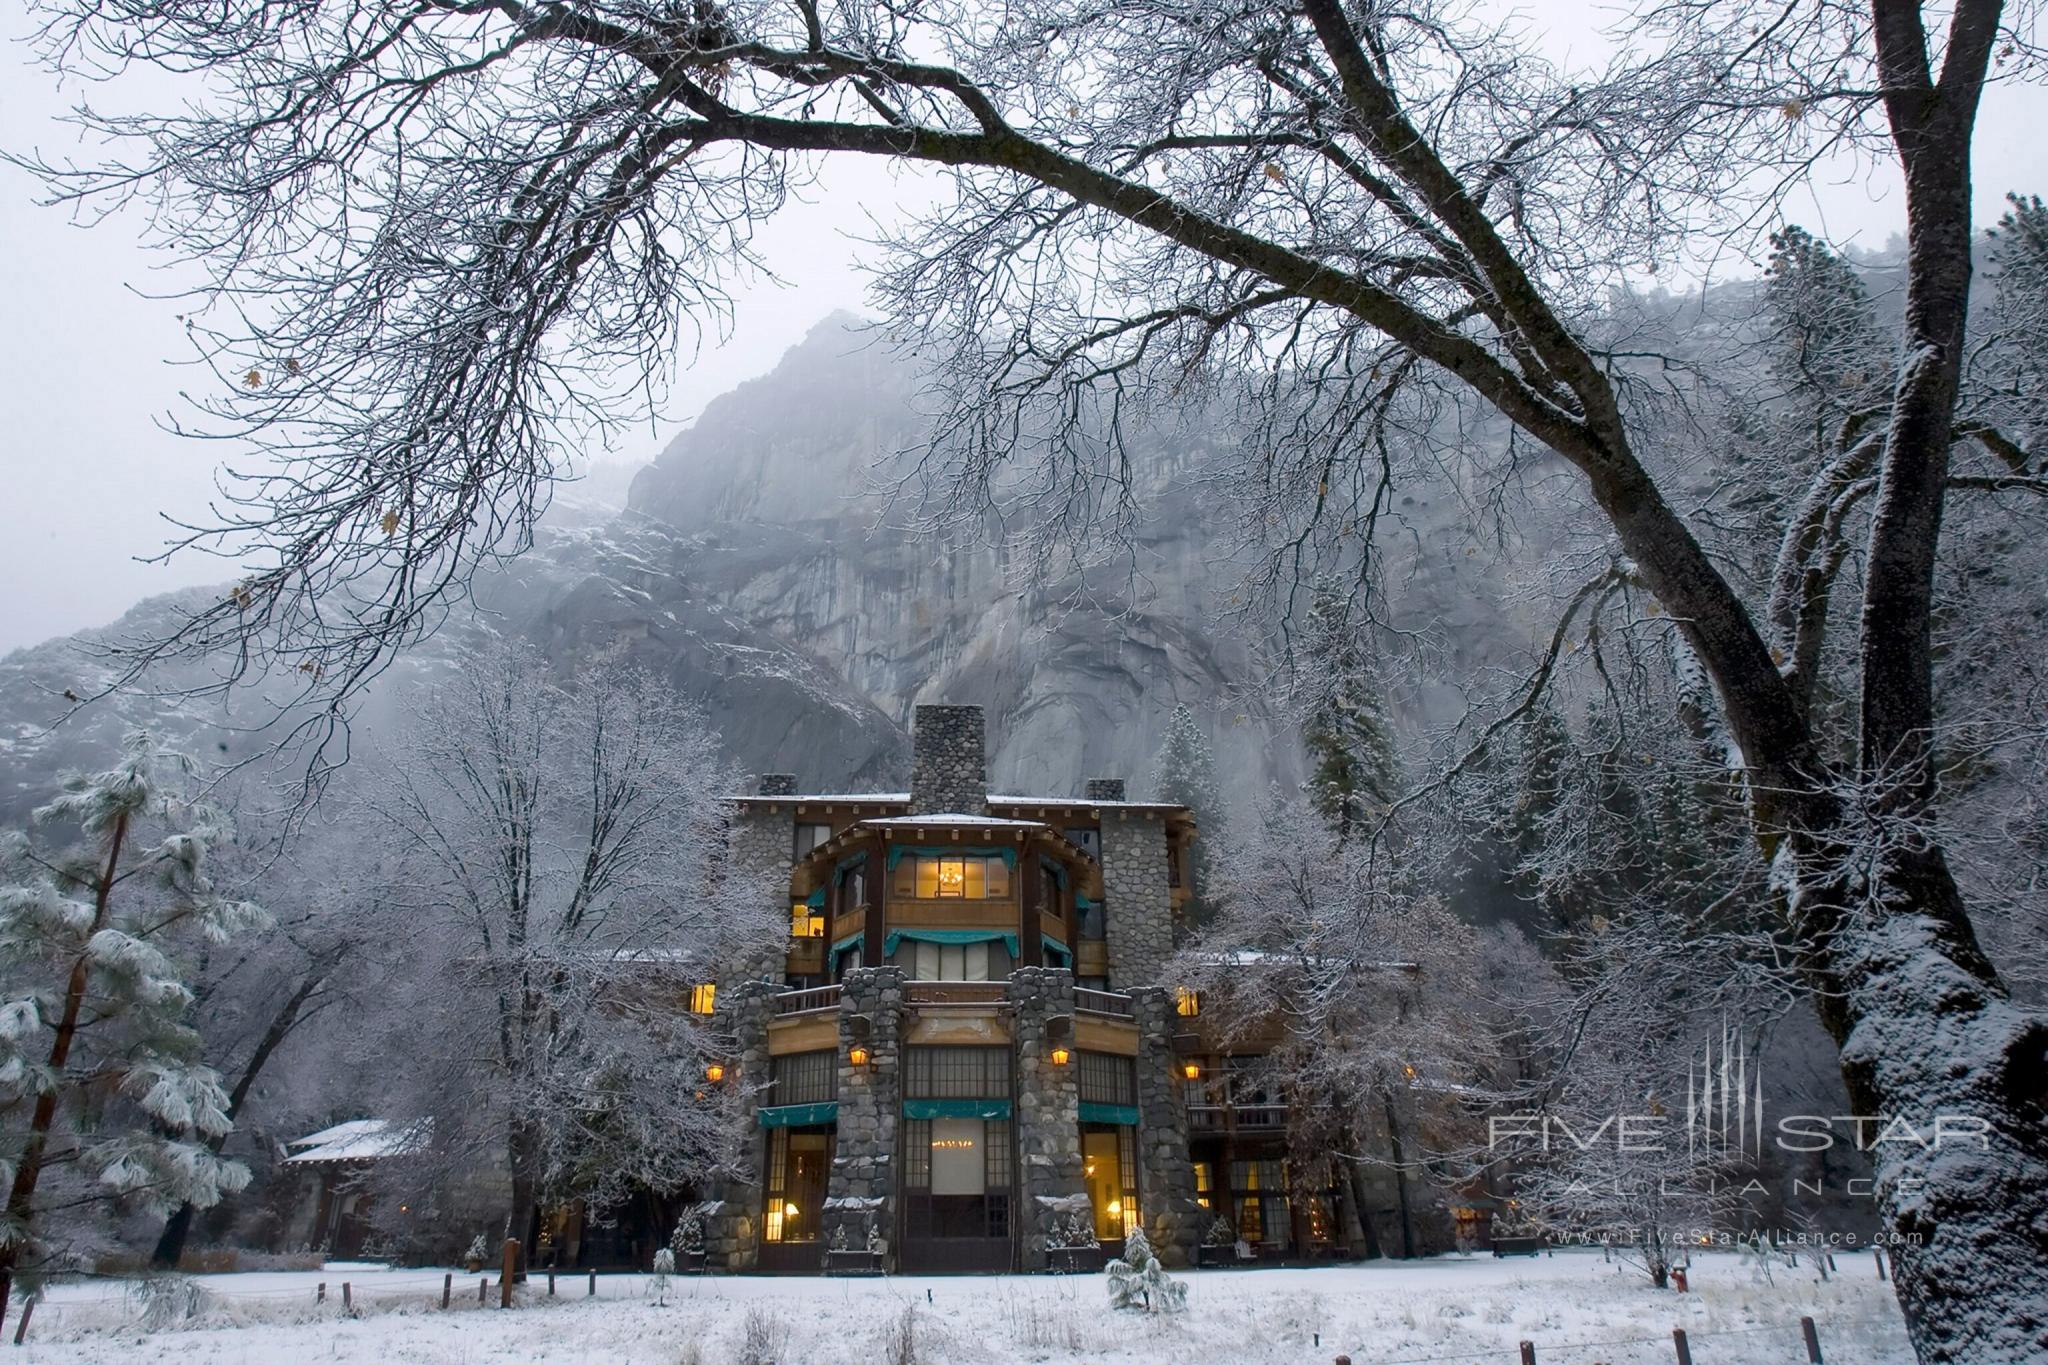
(1724,1100)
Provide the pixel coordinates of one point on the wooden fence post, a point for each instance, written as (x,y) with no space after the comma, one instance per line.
(1678,1341)
(507,1268)
(1878,1252)
(347,1300)
(551,1282)
(1812,1340)
(447,1287)
(593,1284)
(483,1287)
(320,1294)
(28,1306)
(1528,1353)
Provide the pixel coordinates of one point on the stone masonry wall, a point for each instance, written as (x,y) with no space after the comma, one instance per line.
(1166,1177)
(949,771)
(861,1191)
(1050,1183)
(759,846)
(1104,789)
(1137,908)
(732,1233)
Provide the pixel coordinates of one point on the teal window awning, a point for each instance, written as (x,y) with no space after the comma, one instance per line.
(956,1109)
(852,940)
(816,900)
(1126,1114)
(853,861)
(896,936)
(1053,945)
(799,1115)
(1083,903)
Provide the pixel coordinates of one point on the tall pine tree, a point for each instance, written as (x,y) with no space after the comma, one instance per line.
(1356,773)
(102,1085)
(1186,774)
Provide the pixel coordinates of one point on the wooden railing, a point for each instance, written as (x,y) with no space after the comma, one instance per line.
(955,992)
(1216,1118)
(802,1002)
(1102,1002)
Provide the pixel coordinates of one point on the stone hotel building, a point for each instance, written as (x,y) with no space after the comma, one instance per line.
(970,1047)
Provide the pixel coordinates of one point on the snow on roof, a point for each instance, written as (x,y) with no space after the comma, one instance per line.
(843,798)
(358,1140)
(954,817)
(1089,801)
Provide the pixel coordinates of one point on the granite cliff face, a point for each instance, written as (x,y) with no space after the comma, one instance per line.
(758,567)
(774,491)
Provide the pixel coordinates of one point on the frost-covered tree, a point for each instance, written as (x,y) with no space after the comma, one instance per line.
(1185,772)
(104,1094)
(1390,1031)
(1355,771)
(558,852)
(1136,1280)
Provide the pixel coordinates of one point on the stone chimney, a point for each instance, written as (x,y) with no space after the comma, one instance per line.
(778,784)
(948,772)
(1104,789)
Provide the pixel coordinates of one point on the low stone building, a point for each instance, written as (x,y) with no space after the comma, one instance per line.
(969,1055)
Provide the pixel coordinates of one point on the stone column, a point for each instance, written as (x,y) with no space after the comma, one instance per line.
(861,1190)
(1137,904)
(1050,1186)
(1166,1175)
(732,1218)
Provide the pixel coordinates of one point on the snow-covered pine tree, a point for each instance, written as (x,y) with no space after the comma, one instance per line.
(101,1081)
(1356,773)
(1136,1279)
(1185,773)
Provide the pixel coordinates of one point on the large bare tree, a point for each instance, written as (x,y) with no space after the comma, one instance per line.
(445,236)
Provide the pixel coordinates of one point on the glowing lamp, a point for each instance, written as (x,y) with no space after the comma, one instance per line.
(857,1055)
(1059,1056)
(790,1210)
(1191,1071)
(714,1073)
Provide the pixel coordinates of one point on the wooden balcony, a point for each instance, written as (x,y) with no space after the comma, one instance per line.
(978,993)
(805,1002)
(1102,1002)
(1237,1118)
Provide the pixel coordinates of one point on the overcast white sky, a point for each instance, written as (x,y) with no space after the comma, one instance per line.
(89,369)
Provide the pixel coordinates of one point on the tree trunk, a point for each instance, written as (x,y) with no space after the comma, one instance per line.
(523,1148)
(21,1196)
(1395,1150)
(170,1247)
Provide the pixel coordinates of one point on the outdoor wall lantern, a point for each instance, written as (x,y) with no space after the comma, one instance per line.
(1191,1071)
(858,1055)
(715,1072)
(1059,1056)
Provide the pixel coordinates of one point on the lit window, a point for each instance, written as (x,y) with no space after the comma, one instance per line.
(804,922)
(702,998)
(961,878)
(1186,1003)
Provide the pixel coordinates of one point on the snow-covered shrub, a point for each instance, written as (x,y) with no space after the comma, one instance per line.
(1074,1232)
(166,1300)
(1220,1233)
(664,1266)
(479,1252)
(1137,1281)
(688,1237)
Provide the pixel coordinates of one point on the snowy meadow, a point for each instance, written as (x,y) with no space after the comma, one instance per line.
(1575,1308)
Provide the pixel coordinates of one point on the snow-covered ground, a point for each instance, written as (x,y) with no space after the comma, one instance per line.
(1577,1311)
